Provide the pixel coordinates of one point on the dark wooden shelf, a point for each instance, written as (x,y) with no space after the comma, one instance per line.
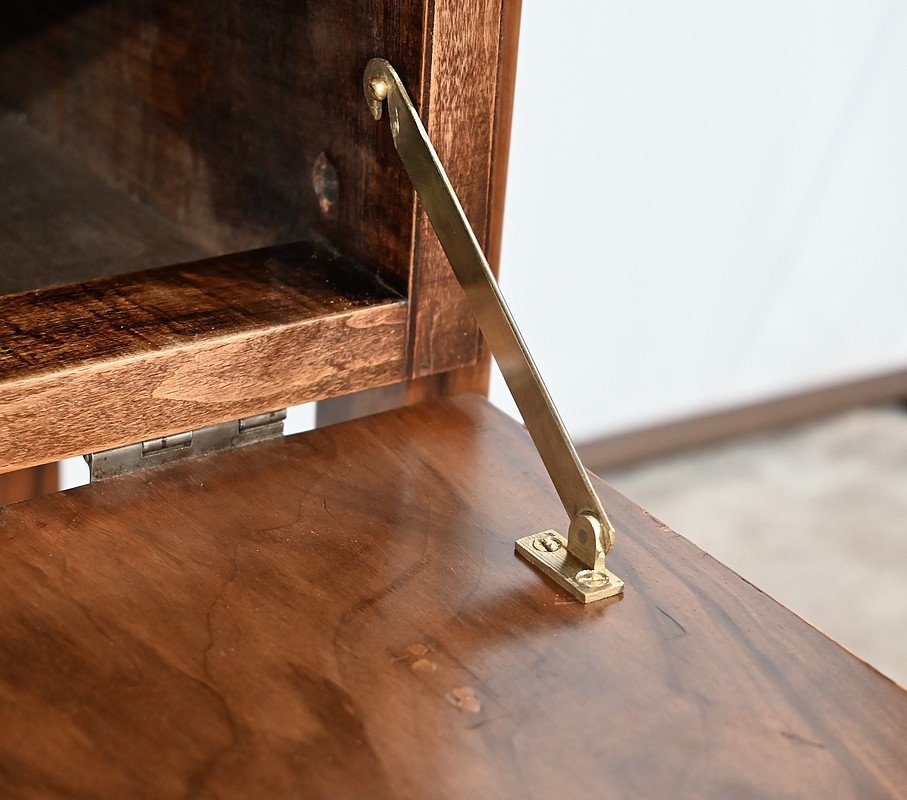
(120,359)
(341,614)
(61,223)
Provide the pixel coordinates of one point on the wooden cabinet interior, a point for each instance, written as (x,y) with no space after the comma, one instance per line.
(61,223)
(215,116)
(137,135)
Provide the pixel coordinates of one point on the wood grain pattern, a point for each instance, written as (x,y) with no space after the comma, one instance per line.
(466,380)
(60,223)
(475,378)
(341,614)
(472,379)
(121,359)
(461,88)
(505,84)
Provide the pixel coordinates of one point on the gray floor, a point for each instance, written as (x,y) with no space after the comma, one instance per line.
(816,516)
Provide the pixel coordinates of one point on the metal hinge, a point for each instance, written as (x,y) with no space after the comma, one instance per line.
(178,446)
(577,562)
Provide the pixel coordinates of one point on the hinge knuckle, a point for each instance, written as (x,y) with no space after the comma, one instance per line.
(187,444)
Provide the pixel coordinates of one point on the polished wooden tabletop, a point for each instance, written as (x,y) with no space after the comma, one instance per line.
(341,614)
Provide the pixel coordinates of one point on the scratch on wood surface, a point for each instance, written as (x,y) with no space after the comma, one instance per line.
(683,630)
(795,737)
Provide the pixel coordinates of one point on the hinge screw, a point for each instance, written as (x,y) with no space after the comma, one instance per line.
(546,542)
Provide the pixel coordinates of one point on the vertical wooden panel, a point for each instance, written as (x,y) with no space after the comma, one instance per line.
(440,338)
(461,93)
(476,378)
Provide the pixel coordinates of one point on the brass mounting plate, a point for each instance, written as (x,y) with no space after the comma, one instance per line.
(566,570)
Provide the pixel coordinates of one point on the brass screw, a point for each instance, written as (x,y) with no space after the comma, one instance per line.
(378,87)
(546,542)
(591,579)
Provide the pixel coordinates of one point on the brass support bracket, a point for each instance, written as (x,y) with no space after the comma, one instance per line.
(577,563)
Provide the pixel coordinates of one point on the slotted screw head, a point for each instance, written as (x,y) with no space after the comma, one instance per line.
(591,579)
(546,542)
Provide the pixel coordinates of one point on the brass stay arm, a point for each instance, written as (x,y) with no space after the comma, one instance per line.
(590,534)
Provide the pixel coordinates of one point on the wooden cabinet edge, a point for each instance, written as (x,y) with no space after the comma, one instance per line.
(107,404)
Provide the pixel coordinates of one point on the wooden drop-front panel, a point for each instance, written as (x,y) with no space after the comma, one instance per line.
(340,614)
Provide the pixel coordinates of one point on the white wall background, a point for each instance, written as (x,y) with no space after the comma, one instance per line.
(707,201)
